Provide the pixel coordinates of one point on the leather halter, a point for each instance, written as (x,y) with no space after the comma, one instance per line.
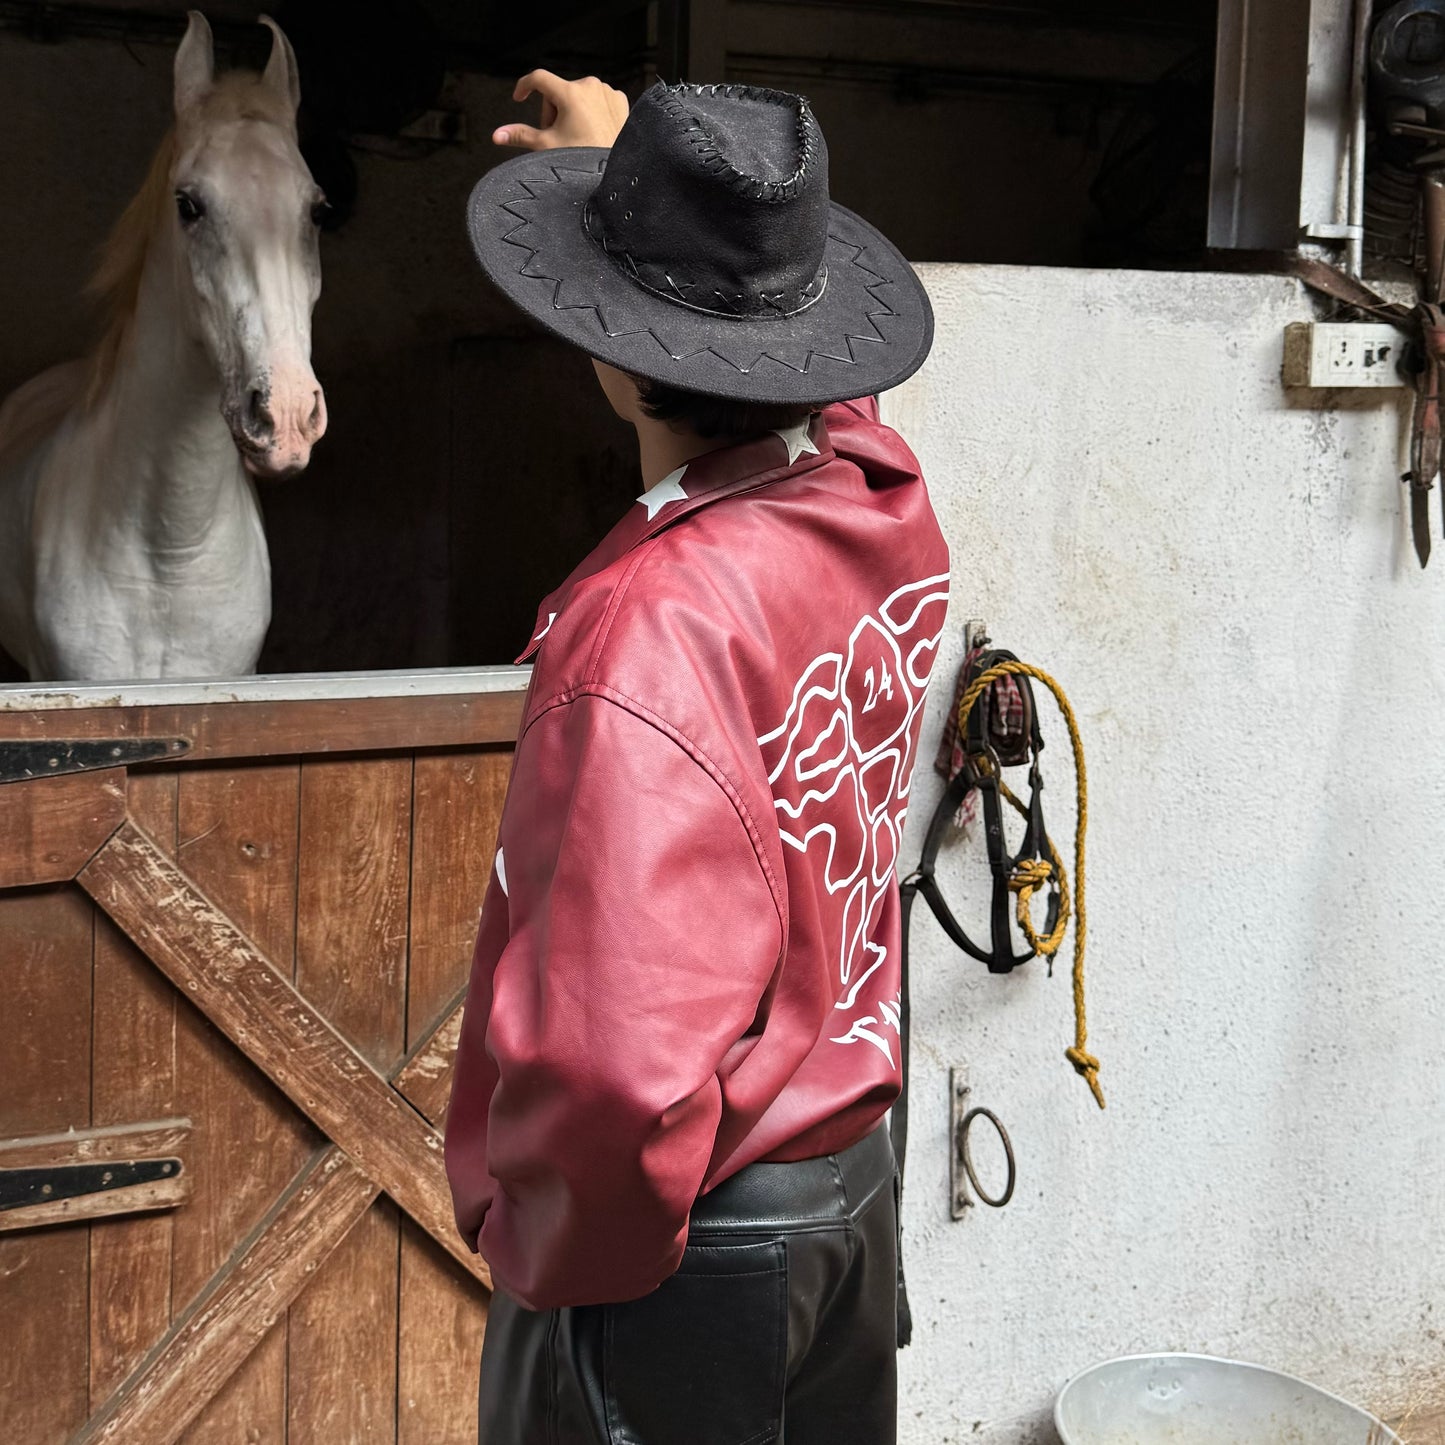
(985,754)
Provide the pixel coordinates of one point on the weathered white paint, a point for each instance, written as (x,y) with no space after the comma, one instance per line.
(285,687)
(1219,575)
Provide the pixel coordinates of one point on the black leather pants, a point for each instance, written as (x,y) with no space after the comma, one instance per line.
(779,1326)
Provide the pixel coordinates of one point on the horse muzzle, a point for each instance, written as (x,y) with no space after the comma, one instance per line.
(274,430)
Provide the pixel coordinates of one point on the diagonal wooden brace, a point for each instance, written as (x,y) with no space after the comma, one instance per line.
(215,965)
(211,1339)
(425,1075)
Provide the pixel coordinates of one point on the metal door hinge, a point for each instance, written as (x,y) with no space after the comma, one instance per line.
(24,759)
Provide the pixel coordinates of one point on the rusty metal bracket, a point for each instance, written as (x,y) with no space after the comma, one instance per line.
(22,760)
(963,1180)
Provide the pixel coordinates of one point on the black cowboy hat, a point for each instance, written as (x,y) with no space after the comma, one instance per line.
(702,251)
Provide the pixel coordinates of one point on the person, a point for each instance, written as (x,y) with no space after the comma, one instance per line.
(683,1022)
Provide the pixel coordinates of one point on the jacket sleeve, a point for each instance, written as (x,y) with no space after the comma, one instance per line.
(642,936)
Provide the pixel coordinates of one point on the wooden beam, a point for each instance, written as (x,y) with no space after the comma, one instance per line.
(232,982)
(425,1076)
(212,1338)
(277,729)
(163,1144)
(50,827)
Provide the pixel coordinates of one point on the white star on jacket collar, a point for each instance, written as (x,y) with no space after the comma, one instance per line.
(797,440)
(669,489)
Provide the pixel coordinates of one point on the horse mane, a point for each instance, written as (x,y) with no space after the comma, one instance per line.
(115,283)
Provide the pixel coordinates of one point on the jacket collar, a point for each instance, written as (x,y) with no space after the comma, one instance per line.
(757,462)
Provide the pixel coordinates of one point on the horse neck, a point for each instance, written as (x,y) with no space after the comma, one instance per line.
(173,471)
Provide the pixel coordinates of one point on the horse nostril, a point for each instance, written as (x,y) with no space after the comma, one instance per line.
(258,414)
(315,418)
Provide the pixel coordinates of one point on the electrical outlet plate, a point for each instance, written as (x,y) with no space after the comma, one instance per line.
(1343,353)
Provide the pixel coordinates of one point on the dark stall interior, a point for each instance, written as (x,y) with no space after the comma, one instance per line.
(469,461)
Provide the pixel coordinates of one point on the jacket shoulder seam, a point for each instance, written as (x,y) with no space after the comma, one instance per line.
(699,755)
(614,606)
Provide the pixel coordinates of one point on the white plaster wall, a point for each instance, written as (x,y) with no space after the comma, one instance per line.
(1219,575)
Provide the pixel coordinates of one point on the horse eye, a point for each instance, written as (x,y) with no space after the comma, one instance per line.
(188,208)
(320,210)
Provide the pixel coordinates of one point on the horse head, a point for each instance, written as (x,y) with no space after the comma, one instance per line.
(246,219)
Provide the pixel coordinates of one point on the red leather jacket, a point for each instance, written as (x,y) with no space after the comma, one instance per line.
(688,955)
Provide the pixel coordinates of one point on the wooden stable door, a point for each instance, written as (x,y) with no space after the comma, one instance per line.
(231,975)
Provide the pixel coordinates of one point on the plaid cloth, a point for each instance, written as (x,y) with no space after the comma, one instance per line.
(1005,726)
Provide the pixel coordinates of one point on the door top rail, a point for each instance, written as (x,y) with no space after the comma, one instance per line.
(279,687)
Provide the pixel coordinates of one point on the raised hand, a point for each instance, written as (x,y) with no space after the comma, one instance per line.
(586,112)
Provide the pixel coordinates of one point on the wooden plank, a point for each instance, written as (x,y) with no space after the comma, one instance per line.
(351,941)
(351,914)
(280,729)
(441,1322)
(120,1143)
(45,950)
(207,1344)
(224,974)
(341,1377)
(237,830)
(426,1077)
(457,811)
(133,1077)
(51,827)
(128,1144)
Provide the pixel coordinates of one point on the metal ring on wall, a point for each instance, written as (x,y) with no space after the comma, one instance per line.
(963,1127)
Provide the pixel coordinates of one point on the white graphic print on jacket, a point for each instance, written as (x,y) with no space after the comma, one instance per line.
(840,765)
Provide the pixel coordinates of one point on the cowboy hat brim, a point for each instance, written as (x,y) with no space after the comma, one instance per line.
(869,330)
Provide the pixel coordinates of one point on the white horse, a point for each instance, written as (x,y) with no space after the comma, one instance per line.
(131,542)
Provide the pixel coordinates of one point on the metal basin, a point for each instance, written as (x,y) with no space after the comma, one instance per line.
(1200,1400)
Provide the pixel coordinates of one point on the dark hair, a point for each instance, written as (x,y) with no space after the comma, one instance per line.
(716,416)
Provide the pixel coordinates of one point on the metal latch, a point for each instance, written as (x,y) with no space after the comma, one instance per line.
(22,759)
(963,1180)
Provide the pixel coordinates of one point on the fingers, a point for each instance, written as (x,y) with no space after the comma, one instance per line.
(584,112)
(522,137)
(541,82)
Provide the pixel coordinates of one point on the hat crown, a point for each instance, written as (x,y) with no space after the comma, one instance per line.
(716,198)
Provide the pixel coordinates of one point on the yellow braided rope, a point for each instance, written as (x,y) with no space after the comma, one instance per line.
(1032,874)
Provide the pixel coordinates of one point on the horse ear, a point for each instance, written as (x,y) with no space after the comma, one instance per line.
(282,74)
(195,63)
